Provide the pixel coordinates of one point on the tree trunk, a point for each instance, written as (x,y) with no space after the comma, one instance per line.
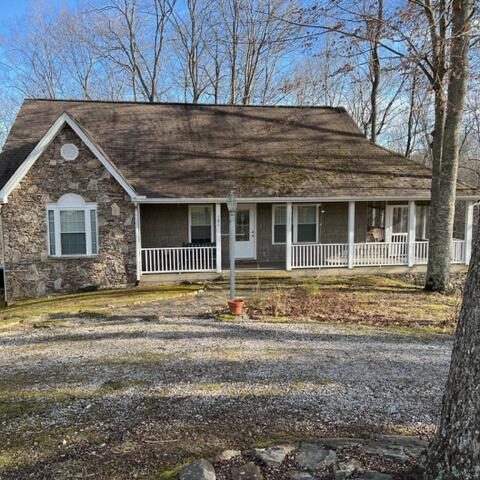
(445,180)
(455,452)
(376,72)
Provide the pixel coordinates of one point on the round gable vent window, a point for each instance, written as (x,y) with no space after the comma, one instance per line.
(69,151)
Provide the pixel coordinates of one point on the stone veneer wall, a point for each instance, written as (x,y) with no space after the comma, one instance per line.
(29,270)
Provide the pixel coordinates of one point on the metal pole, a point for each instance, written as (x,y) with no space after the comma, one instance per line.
(231,243)
(232,215)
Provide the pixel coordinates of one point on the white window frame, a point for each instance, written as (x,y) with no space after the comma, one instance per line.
(274,207)
(295,222)
(212,232)
(72,202)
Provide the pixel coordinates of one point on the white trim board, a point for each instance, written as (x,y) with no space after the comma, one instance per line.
(62,120)
(203,200)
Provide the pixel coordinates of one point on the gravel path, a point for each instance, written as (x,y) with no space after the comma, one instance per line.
(113,397)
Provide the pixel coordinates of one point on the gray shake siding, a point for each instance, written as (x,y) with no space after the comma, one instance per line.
(167,226)
(30,271)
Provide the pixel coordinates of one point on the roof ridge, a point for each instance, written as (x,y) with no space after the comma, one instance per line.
(136,102)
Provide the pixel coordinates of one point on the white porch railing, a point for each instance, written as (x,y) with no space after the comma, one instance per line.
(379,253)
(399,237)
(370,254)
(458,251)
(178,259)
(421,252)
(320,255)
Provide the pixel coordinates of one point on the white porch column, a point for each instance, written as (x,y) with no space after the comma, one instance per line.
(351,234)
(218,236)
(138,241)
(288,241)
(468,230)
(412,214)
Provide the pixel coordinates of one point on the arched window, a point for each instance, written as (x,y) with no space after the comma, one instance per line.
(72,227)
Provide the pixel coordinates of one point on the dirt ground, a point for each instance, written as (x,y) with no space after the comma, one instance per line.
(115,386)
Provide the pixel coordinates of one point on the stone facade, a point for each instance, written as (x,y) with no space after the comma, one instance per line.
(30,271)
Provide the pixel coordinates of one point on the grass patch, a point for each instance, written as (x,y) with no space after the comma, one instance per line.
(94,305)
(373,300)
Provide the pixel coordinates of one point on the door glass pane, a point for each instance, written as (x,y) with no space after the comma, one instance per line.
(243,226)
(400,220)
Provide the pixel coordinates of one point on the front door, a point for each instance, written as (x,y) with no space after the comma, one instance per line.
(396,224)
(246,232)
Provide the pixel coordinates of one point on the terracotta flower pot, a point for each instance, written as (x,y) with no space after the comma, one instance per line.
(236,306)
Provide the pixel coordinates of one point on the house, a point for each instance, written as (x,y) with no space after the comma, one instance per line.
(104,194)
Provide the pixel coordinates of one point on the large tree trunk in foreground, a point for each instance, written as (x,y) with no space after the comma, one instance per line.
(455,452)
(443,199)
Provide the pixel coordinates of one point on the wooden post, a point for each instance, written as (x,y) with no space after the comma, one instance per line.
(288,242)
(468,230)
(218,236)
(412,212)
(351,234)
(138,241)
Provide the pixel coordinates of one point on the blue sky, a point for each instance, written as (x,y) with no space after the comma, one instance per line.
(10,10)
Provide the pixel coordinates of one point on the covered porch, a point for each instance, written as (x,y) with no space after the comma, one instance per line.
(181,238)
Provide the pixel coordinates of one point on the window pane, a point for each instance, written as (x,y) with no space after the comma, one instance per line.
(280,215)
(93,227)
(72,221)
(201,234)
(307,233)
(307,214)
(201,215)
(73,244)
(280,233)
(51,231)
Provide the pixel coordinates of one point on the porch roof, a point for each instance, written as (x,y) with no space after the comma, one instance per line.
(169,151)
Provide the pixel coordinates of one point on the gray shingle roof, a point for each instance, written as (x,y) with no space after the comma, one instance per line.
(181,150)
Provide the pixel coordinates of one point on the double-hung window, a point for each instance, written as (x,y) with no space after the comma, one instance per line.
(72,227)
(279,224)
(305,218)
(201,224)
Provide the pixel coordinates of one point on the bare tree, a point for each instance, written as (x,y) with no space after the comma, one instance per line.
(131,35)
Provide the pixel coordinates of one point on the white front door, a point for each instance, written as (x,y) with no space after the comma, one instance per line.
(246,226)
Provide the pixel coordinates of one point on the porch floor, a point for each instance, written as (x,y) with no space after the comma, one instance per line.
(245,271)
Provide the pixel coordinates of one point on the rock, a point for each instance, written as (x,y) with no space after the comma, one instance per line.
(57,284)
(297,475)
(346,468)
(375,476)
(412,446)
(273,456)
(311,456)
(339,443)
(391,452)
(198,470)
(115,210)
(249,471)
(227,455)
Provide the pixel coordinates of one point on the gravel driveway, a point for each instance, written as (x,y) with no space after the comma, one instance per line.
(126,396)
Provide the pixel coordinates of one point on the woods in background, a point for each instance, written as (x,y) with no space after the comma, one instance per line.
(395,66)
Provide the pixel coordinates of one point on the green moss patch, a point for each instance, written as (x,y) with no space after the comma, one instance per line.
(51,311)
